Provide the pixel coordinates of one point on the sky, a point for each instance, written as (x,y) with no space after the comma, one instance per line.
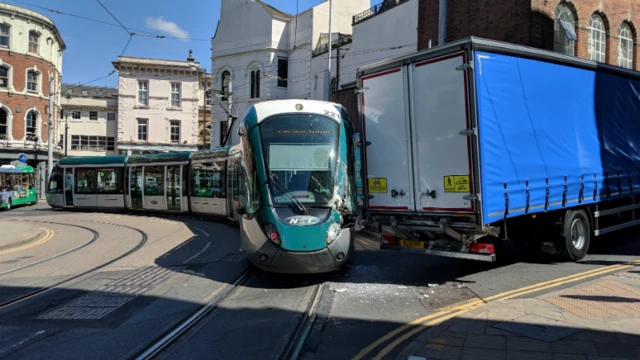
(92,46)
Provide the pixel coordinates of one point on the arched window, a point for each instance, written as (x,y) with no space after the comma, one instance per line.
(224,81)
(4,126)
(255,84)
(31,125)
(625,46)
(564,30)
(4,77)
(597,39)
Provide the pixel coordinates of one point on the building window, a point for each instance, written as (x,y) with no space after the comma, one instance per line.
(143,93)
(4,127)
(111,143)
(100,93)
(93,115)
(175,95)
(283,72)
(625,46)
(564,30)
(142,129)
(31,122)
(76,115)
(92,143)
(111,116)
(34,39)
(175,131)
(255,84)
(4,77)
(597,39)
(4,35)
(32,81)
(207,97)
(225,78)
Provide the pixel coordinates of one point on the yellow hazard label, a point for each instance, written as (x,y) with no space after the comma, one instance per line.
(457,183)
(377,185)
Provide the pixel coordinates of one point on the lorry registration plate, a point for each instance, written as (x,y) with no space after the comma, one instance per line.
(412,244)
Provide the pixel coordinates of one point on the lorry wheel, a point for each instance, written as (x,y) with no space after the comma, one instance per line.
(577,234)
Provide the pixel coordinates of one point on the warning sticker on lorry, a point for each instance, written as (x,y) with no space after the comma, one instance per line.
(377,185)
(457,183)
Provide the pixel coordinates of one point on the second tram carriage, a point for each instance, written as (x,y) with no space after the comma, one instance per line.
(289,184)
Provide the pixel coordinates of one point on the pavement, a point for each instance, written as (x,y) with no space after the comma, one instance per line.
(14,234)
(596,320)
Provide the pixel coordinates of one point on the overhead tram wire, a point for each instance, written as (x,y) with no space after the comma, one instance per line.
(116,19)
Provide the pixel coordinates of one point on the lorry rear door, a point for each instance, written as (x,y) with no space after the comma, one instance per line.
(387,165)
(441,154)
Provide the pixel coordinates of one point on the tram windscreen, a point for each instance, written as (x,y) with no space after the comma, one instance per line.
(301,150)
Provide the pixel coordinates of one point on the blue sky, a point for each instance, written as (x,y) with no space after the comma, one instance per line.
(92,46)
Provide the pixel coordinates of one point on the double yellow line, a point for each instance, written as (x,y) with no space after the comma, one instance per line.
(460,308)
(47,236)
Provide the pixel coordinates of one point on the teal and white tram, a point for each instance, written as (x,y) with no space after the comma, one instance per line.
(289,184)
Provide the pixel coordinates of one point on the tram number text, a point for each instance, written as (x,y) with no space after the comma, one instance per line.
(332,114)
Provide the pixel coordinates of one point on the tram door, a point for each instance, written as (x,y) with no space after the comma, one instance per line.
(135,187)
(68,187)
(174,188)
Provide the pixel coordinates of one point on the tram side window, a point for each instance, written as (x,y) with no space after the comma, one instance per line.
(108,181)
(85,181)
(154,180)
(208,179)
(25,182)
(55,182)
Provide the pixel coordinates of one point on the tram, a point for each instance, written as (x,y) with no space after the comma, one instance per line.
(17,186)
(289,184)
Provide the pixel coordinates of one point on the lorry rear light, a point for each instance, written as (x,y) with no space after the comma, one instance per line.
(390,240)
(482,248)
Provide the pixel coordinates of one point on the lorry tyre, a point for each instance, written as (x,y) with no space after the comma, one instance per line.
(577,234)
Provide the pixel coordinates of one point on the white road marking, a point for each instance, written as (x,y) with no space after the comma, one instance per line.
(204,232)
(198,254)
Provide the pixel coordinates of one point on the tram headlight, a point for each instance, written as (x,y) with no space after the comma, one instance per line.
(272,233)
(332,233)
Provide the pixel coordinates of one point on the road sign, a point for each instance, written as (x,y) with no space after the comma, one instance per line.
(22,158)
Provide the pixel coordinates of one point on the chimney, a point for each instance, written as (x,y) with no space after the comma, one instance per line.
(190,58)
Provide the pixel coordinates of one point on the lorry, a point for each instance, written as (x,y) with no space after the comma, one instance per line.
(472,143)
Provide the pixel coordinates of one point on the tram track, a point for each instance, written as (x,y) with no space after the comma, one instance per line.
(95,236)
(299,337)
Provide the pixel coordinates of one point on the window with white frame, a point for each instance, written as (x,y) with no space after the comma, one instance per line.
(111,116)
(4,126)
(597,39)
(625,46)
(93,115)
(175,131)
(32,81)
(143,93)
(207,97)
(4,77)
(4,35)
(31,123)
(142,129)
(564,30)
(175,94)
(225,78)
(92,143)
(34,41)
(76,115)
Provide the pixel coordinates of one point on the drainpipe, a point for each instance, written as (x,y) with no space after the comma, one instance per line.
(442,22)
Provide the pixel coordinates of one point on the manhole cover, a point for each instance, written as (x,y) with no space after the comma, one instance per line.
(603,299)
(437,296)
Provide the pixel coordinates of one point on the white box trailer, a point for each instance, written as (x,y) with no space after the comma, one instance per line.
(460,140)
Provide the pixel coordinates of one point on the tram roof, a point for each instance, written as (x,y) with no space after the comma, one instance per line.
(93,160)
(160,158)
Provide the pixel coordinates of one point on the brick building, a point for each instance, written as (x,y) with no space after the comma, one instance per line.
(600,30)
(30,57)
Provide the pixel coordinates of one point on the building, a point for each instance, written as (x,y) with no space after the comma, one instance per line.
(270,57)
(600,30)
(89,120)
(158,105)
(204,113)
(30,58)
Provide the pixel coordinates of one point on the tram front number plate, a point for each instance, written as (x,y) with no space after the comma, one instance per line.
(412,243)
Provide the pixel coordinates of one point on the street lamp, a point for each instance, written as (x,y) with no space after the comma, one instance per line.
(204,121)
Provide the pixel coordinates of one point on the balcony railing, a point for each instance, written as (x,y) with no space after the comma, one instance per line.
(376,9)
